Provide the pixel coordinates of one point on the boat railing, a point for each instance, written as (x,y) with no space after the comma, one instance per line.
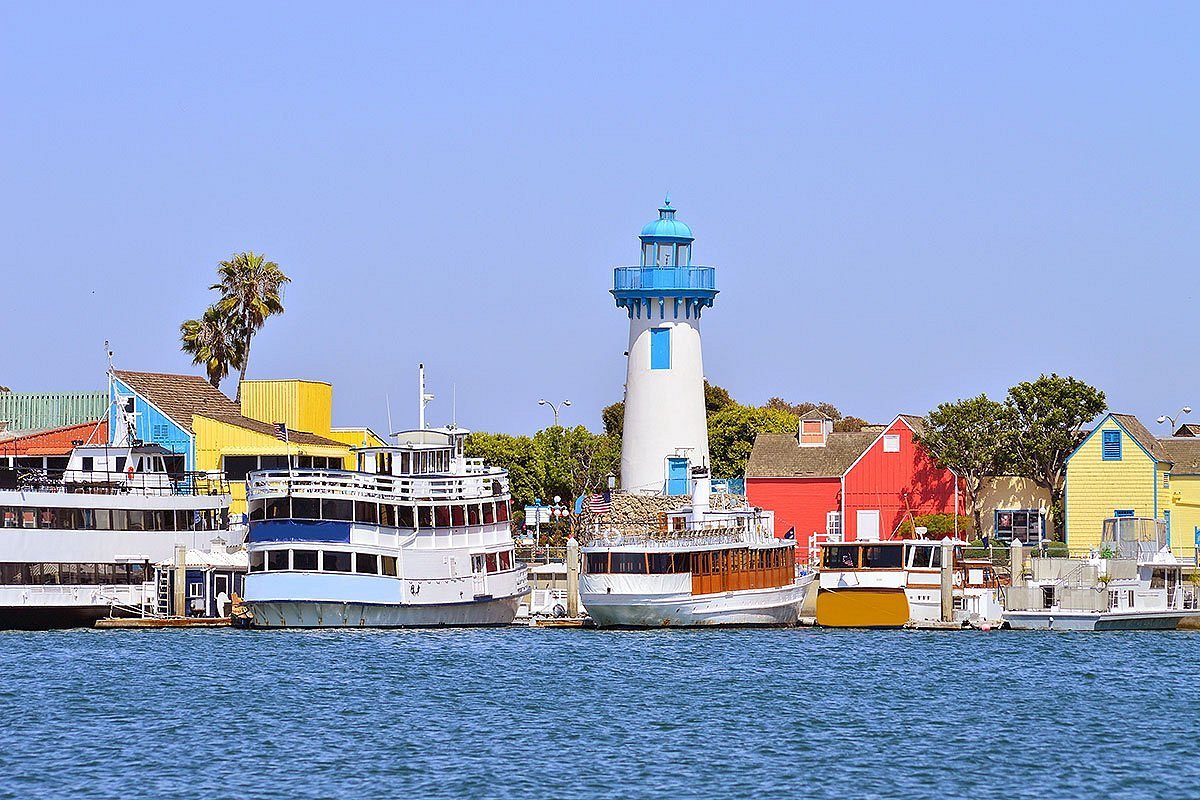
(122,483)
(708,533)
(340,483)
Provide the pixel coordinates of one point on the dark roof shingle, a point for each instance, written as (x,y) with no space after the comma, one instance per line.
(1134,427)
(778,455)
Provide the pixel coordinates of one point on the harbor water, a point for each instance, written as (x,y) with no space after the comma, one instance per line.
(528,713)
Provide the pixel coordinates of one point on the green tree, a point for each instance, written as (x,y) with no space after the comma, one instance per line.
(970,437)
(251,291)
(828,409)
(716,398)
(850,424)
(1048,418)
(212,341)
(613,417)
(731,434)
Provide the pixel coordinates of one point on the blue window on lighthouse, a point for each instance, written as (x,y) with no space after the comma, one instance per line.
(660,348)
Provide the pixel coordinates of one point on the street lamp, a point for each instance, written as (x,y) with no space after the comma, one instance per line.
(1172,420)
(554,407)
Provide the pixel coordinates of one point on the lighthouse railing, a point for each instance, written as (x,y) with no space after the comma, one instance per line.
(632,278)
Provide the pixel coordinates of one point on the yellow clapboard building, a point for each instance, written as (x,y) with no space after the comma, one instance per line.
(1122,470)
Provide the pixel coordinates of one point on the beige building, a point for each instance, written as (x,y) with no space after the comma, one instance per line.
(1014,506)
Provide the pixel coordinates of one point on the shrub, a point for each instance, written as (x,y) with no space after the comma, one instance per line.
(939,525)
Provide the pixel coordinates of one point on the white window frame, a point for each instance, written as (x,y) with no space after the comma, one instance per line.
(891,443)
(833,526)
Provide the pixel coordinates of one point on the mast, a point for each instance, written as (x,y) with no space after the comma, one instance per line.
(422,398)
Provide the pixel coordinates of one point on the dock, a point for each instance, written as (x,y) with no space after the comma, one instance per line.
(146,623)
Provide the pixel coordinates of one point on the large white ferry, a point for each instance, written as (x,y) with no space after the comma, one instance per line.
(84,543)
(707,567)
(416,536)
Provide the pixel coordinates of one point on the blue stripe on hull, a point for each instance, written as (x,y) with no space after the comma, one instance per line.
(296,530)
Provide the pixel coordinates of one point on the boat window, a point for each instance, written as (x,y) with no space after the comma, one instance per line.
(86,463)
(255,509)
(502,511)
(387,515)
(277,560)
(277,508)
(661,563)
(473,514)
(119,520)
(628,563)
(366,512)
(405,464)
(935,557)
(120,463)
(389,565)
(366,563)
(597,563)
(489,513)
(306,508)
(459,516)
(493,562)
(136,520)
(683,562)
(335,561)
(339,510)
(883,557)
(506,560)
(257,561)
(405,518)
(304,560)
(441,516)
(921,555)
(840,557)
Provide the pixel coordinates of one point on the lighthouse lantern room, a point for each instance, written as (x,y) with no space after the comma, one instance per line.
(665,429)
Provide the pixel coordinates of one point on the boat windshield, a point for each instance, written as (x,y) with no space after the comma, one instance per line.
(883,557)
(843,556)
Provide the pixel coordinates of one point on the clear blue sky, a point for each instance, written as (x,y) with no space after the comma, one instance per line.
(907,202)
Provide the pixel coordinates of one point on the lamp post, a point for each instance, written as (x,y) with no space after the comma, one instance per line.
(554,407)
(1178,415)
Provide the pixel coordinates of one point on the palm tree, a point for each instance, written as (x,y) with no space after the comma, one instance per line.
(251,290)
(213,341)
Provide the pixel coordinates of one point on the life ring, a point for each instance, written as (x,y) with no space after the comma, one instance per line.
(129,473)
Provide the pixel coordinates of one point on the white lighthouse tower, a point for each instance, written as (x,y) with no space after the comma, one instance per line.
(665,429)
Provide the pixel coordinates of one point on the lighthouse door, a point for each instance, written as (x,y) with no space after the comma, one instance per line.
(677,476)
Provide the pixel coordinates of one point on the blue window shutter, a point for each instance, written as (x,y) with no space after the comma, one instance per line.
(660,348)
(1110,448)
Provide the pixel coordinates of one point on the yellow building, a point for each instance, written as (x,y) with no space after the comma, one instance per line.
(186,414)
(1119,470)
(1011,506)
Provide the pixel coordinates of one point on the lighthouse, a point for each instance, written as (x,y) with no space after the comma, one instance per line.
(665,428)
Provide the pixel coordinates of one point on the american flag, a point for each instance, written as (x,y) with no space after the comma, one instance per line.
(600,503)
(281,431)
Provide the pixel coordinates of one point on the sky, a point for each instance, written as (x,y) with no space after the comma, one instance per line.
(907,203)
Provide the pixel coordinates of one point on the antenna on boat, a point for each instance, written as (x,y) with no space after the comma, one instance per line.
(387,401)
(422,398)
(454,405)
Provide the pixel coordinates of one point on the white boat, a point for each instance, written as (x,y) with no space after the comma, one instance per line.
(83,543)
(705,567)
(1131,582)
(893,583)
(416,536)
(547,591)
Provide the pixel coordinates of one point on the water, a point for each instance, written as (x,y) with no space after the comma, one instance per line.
(583,714)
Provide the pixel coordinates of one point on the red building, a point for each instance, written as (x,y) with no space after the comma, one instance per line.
(49,449)
(825,484)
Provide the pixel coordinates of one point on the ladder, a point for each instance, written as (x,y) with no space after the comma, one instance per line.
(163,587)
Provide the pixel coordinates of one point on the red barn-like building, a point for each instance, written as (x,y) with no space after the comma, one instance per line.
(826,484)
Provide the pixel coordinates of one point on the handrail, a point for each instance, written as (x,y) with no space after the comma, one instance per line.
(366,486)
(682,277)
(118,483)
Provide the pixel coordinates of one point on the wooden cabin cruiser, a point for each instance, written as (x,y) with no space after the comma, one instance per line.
(418,535)
(82,543)
(1131,582)
(888,584)
(708,567)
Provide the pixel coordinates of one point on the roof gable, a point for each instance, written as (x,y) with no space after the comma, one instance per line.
(57,441)
(911,421)
(1135,430)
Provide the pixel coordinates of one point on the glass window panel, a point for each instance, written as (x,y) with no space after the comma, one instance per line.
(335,561)
(306,508)
(366,563)
(389,565)
(338,510)
(473,514)
(441,517)
(277,559)
(458,516)
(367,512)
(304,560)
(258,561)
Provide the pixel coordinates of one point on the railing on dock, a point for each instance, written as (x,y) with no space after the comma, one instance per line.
(339,483)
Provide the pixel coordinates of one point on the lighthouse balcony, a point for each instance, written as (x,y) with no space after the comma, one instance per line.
(665,279)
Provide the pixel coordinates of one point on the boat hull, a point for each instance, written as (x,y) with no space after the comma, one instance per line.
(335,614)
(775,607)
(862,608)
(1093,621)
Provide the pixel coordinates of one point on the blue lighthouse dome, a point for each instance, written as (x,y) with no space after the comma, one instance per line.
(666,226)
